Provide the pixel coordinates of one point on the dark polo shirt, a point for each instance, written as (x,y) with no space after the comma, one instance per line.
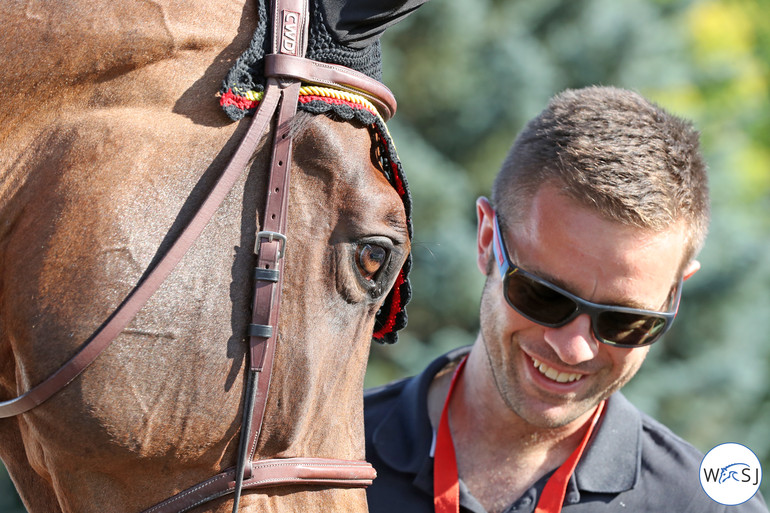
(633,464)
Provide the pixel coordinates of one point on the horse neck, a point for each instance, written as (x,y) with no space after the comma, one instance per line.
(92,54)
(65,63)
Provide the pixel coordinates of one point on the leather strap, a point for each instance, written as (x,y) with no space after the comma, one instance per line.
(290,18)
(339,77)
(273,472)
(270,250)
(267,293)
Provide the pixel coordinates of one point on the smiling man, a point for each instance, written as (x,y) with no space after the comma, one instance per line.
(597,216)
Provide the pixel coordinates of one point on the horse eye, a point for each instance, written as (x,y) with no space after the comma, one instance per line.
(369,259)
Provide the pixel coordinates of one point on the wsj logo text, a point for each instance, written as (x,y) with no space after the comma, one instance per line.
(735,472)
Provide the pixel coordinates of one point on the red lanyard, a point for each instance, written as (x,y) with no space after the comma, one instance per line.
(446,486)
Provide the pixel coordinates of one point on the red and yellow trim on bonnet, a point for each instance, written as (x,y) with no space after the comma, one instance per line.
(248,100)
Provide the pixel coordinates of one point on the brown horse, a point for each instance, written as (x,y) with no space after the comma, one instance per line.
(109,140)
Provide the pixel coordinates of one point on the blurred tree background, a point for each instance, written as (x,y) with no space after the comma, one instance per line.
(469,73)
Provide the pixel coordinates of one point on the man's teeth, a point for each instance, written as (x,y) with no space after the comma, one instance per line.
(549,372)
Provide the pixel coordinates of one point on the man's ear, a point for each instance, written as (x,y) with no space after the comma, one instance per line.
(484,234)
(691,269)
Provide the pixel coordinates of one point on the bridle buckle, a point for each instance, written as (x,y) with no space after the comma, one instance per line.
(271,236)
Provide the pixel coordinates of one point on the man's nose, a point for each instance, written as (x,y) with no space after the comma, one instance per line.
(574,342)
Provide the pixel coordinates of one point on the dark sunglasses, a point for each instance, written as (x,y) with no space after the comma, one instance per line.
(546,304)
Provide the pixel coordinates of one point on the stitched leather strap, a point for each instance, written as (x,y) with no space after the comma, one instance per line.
(273,472)
(267,294)
(290,18)
(278,65)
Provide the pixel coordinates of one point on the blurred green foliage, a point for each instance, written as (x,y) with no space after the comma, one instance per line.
(469,73)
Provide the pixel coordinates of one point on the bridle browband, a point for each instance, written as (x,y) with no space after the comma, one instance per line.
(286,68)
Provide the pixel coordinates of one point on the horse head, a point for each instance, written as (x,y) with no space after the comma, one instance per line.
(98,184)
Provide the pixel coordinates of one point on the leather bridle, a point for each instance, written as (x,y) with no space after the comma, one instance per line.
(285,69)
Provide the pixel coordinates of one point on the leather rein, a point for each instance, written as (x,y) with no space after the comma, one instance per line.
(285,69)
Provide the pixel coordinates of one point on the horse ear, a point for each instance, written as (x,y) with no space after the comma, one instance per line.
(358,24)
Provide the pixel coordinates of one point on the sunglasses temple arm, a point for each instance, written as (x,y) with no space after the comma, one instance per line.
(501,256)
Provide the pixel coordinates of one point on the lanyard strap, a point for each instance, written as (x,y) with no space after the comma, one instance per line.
(446,483)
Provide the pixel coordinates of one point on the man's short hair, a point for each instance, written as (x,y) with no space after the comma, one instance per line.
(613,151)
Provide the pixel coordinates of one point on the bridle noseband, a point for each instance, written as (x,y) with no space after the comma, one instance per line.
(285,69)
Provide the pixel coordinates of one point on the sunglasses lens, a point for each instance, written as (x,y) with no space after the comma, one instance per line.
(537,301)
(629,329)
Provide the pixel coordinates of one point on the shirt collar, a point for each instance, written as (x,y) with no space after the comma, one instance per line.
(404,436)
(611,463)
